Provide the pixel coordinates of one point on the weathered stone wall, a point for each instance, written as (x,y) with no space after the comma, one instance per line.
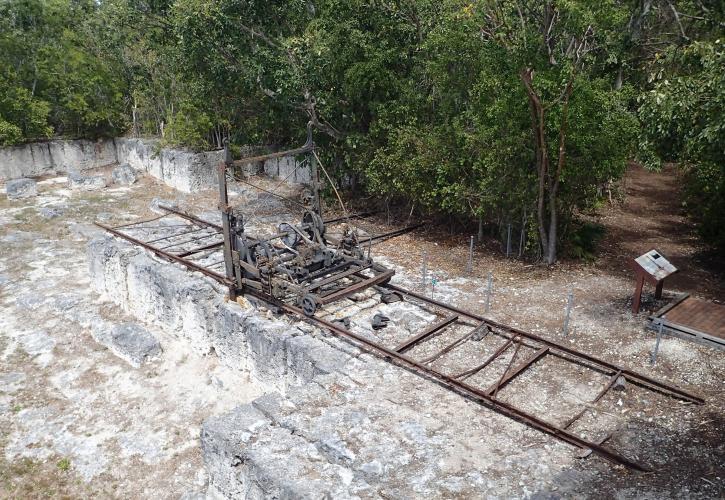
(183,170)
(48,157)
(336,423)
(192,307)
(294,170)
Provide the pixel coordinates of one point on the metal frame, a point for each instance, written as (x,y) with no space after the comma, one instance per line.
(682,331)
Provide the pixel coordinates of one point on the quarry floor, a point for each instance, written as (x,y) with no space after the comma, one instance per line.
(76,421)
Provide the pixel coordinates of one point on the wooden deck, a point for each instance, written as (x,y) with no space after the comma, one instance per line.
(693,319)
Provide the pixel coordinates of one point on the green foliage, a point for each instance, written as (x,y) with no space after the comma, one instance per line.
(682,117)
(52,79)
(422,100)
(458,136)
(9,134)
(21,114)
(584,240)
(189,127)
(63,464)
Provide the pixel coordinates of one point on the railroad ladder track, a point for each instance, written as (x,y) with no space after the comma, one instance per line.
(198,245)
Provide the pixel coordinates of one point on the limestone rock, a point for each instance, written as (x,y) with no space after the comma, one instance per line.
(12,382)
(50,212)
(123,174)
(37,343)
(336,449)
(186,171)
(21,188)
(50,157)
(280,465)
(154,206)
(130,342)
(85,182)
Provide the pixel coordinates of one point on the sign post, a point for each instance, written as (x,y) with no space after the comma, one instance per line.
(651,267)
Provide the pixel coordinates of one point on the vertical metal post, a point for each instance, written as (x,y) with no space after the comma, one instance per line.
(569,301)
(469,264)
(488,291)
(226,219)
(521,238)
(424,270)
(508,241)
(315,183)
(660,329)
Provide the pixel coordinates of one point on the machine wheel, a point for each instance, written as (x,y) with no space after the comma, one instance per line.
(314,220)
(309,304)
(292,238)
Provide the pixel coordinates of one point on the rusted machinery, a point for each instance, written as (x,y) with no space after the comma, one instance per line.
(300,264)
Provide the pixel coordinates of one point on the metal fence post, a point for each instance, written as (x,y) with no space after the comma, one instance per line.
(569,301)
(424,270)
(488,291)
(521,240)
(469,264)
(508,241)
(653,356)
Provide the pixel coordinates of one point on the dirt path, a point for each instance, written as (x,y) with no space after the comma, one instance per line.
(652,216)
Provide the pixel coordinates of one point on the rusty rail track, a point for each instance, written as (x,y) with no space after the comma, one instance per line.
(449,315)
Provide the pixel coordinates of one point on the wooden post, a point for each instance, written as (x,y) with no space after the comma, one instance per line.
(658,290)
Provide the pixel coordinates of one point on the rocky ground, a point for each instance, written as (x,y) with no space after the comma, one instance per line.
(78,421)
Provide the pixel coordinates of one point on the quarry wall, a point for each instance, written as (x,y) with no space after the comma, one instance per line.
(184,170)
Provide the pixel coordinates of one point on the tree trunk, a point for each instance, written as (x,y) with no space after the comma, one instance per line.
(550,254)
(620,78)
(542,160)
(554,188)
(548,189)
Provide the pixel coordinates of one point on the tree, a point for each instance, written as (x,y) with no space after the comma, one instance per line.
(553,45)
(490,128)
(54,80)
(682,117)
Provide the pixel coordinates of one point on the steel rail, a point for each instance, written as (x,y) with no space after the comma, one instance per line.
(447,381)
(390,234)
(337,277)
(153,228)
(142,221)
(456,385)
(427,332)
(169,256)
(600,395)
(472,371)
(354,288)
(359,215)
(191,218)
(192,240)
(634,377)
(509,374)
(176,235)
(200,249)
